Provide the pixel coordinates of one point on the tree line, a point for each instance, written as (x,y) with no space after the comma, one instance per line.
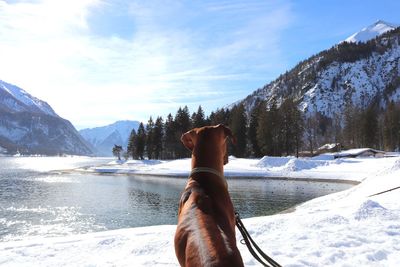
(270,129)
(280,128)
(274,131)
(160,139)
(356,127)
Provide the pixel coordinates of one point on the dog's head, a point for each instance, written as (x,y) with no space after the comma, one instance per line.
(208,138)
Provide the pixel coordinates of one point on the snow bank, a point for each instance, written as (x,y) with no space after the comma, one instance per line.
(272,162)
(147,246)
(349,228)
(320,167)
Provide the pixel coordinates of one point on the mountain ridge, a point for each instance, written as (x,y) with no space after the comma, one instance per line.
(16,99)
(29,125)
(103,138)
(347,73)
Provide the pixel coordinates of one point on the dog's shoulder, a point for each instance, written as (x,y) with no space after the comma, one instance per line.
(195,196)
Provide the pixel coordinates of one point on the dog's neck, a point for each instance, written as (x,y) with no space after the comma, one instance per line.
(209,160)
(209,170)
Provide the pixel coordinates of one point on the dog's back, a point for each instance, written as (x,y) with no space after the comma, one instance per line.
(205,235)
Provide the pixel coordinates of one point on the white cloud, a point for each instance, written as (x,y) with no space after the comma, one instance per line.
(174,55)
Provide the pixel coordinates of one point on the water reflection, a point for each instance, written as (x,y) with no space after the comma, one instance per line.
(259,197)
(39,203)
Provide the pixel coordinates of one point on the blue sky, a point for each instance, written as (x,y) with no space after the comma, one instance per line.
(98,61)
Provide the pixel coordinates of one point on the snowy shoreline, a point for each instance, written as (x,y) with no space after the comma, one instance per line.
(324,167)
(349,228)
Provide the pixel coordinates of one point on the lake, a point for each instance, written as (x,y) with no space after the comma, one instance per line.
(35,200)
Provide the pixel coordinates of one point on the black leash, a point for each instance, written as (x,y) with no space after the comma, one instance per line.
(394,188)
(264,259)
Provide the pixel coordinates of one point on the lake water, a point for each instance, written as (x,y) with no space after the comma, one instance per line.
(36,201)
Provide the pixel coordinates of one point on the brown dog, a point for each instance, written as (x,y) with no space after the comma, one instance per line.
(205,235)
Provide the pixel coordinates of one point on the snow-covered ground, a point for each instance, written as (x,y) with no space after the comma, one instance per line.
(320,167)
(349,228)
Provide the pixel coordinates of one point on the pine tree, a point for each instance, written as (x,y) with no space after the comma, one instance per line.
(220,116)
(392,127)
(287,133)
(381,131)
(254,149)
(274,118)
(182,124)
(198,118)
(131,149)
(140,141)
(117,150)
(169,138)
(337,130)
(298,128)
(311,131)
(351,126)
(238,126)
(150,138)
(370,127)
(269,130)
(263,132)
(158,133)
(292,129)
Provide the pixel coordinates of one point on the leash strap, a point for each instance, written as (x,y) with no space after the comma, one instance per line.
(264,259)
(394,188)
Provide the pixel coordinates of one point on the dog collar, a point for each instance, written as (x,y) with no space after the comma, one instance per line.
(209,170)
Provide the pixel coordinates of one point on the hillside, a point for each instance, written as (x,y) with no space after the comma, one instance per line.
(347,74)
(29,125)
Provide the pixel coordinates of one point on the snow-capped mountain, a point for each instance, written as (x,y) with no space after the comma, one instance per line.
(371,31)
(346,74)
(30,126)
(16,99)
(104,138)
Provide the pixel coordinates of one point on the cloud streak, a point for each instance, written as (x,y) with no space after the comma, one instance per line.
(162,54)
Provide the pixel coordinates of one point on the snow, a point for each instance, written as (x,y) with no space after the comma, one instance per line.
(320,167)
(349,228)
(329,146)
(357,83)
(23,97)
(372,31)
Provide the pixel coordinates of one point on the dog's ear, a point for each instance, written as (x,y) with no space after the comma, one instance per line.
(188,139)
(228,133)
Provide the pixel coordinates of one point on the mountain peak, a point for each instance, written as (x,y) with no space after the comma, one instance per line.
(17,99)
(348,75)
(372,31)
(379,21)
(30,126)
(105,137)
